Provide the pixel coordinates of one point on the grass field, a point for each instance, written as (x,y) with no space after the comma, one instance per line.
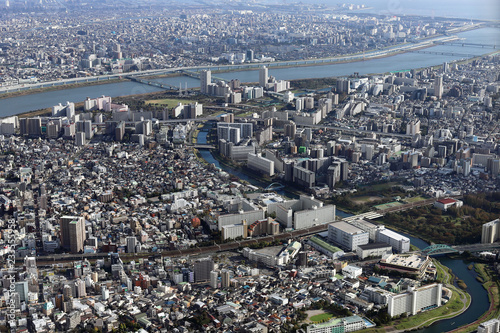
(414,199)
(389,205)
(365,199)
(321,317)
(169,102)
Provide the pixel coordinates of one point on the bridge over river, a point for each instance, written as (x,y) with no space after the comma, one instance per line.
(437,249)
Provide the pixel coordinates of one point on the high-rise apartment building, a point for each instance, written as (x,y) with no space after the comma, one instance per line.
(414,300)
(131,244)
(205,80)
(225,279)
(72,233)
(263,76)
(202,269)
(438,87)
(491,232)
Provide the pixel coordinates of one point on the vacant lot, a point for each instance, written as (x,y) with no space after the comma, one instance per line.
(314,316)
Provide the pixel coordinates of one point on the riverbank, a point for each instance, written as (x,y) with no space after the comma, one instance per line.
(356,57)
(19,93)
(492,286)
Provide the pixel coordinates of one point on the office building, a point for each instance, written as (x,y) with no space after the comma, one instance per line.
(438,87)
(373,250)
(250,55)
(22,289)
(352,271)
(367,226)
(399,243)
(202,269)
(205,80)
(415,300)
(263,76)
(131,244)
(491,232)
(347,235)
(72,233)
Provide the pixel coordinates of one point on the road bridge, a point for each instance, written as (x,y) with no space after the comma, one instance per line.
(200,146)
(151,83)
(274,187)
(463,44)
(437,249)
(453,54)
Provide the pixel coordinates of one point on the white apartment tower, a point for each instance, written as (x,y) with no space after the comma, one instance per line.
(205,80)
(491,232)
(263,76)
(438,87)
(414,300)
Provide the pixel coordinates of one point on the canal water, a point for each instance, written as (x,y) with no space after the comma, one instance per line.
(406,61)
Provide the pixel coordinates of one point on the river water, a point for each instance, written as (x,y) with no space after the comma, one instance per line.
(16,105)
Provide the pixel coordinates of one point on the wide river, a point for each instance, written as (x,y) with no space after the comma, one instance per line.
(16,105)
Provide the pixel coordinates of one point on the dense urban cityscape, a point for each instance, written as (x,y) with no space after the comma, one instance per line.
(364,202)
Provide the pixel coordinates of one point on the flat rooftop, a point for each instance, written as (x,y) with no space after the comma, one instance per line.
(372,246)
(346,227)
(325,245)
(413,261)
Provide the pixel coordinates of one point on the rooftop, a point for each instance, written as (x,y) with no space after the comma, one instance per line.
(324,245)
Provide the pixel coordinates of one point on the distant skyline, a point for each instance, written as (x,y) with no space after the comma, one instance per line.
(480,9)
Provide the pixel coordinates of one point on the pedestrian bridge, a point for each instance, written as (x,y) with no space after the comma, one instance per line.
(274,187)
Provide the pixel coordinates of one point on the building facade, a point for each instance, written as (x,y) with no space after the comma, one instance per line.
(347,235)
(415,300)
(491,232)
